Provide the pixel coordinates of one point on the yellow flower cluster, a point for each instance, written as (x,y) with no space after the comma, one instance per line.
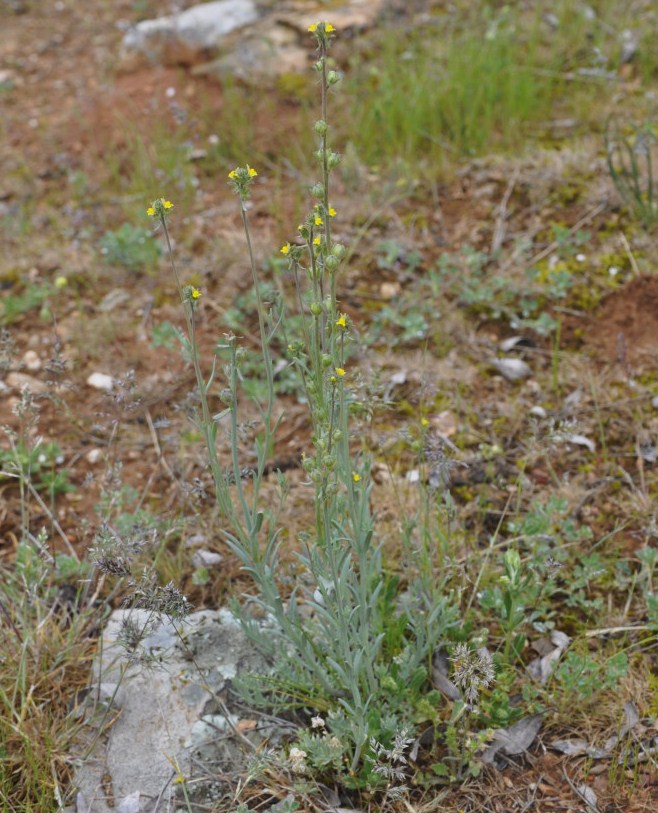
(159,207)
(250,172)
(328,28)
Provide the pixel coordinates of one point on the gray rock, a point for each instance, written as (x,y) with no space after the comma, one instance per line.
(207,558)
(512,369)
(280,44)
(170,715)
(193,35)
(114,299)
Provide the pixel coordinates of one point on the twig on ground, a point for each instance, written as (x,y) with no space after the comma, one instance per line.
(500,226)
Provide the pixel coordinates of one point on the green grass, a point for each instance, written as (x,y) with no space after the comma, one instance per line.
(475,81)
(46,652)
(458,98)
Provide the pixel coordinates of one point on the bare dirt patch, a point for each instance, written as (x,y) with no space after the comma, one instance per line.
(625,328)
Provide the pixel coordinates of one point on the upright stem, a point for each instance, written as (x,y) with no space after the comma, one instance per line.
(207,426)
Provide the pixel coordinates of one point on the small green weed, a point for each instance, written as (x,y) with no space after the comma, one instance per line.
(632,153)
(581,676)
(131,247)
(32,297)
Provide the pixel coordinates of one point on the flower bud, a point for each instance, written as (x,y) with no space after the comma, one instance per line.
(318,190)
(338,250)
(331,263)
(316,309)
(333,159)
(333,78)
(326,360)
(320,127)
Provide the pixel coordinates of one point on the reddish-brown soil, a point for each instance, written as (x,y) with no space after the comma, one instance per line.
(625,327)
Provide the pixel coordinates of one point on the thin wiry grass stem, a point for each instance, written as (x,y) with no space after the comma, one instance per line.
(208,427)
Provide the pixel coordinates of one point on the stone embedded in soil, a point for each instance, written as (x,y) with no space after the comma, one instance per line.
(170,714)
(250,39)
(101,381)
(114,299)
(18,381)
(512,369)
(188,37)
(94,455)
(207,558)
(32,361)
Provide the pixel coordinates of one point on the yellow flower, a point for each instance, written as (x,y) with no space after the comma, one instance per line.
(195,293)
(285,250)
(328,27)
(316,241)
(341,322)
(61,282)
(158,207)
(232,174)
(313,28)
(424,422)
(340,372)
(318,220)
(356,476)
(251,171)
(332,212)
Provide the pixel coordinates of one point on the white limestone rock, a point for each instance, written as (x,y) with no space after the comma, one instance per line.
(187,38)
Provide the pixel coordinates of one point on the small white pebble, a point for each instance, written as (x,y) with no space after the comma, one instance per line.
(101,381)
(389,290)
(580,258)
(93,456)
(32,361)
(613,270)
(170,92)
